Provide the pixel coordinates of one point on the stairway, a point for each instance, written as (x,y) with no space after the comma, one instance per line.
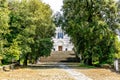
(60,56)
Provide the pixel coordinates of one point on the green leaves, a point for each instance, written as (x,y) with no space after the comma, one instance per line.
(26,28)
(117,46)
(45,46)
(4,20)
(91,25)
(44,28)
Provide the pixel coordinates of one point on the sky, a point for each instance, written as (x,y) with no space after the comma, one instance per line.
(56,5)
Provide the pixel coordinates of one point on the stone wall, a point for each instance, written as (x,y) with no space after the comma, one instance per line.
(117,64)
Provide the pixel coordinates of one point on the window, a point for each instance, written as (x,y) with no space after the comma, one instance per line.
(60,35)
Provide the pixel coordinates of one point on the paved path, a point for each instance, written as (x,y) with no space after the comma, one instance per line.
(73,73)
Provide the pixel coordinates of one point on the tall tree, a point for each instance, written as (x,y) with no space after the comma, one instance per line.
(117,43)
(91,25)
(4,20)
(42,16)
(31,28)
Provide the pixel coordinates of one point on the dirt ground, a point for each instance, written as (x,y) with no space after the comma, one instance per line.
(100,74)
(96,73)
(51,71)
(35,74)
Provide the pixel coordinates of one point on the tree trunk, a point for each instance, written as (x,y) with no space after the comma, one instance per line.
(77,57)
(25,60)
(18,62)
(90,61)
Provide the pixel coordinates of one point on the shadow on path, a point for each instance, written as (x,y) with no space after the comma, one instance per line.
(50,65)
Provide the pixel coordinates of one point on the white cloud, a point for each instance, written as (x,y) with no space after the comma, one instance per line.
(56,5)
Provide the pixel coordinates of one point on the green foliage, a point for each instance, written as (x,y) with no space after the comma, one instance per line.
(42,48)
(41,15)
(30,30)
(117,45)
(91,25)
(45,47)
(14,51)
(4,20)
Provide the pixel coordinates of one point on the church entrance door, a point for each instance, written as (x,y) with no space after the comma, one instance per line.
(59,48)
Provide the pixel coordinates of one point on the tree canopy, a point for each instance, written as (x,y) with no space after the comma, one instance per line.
(4,27)
(92,25)
(30,30)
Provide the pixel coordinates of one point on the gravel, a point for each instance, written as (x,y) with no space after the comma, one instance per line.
(76,75)
(59,71)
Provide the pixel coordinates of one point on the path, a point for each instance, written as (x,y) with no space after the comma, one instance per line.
(44,71)
(69,70)
(58,71)
(73,73)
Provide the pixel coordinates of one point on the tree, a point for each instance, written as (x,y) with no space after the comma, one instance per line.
(117,42)
(19,21)
(4,20)
(91,25)
(31,28)
(42,16)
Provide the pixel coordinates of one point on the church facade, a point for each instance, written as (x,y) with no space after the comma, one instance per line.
(61,41)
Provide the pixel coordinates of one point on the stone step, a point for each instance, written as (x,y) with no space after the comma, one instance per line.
(60,56)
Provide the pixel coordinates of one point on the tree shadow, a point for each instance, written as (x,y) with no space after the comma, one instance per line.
(70,59)
(52,65)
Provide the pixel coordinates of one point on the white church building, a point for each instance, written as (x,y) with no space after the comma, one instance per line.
(61,41)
